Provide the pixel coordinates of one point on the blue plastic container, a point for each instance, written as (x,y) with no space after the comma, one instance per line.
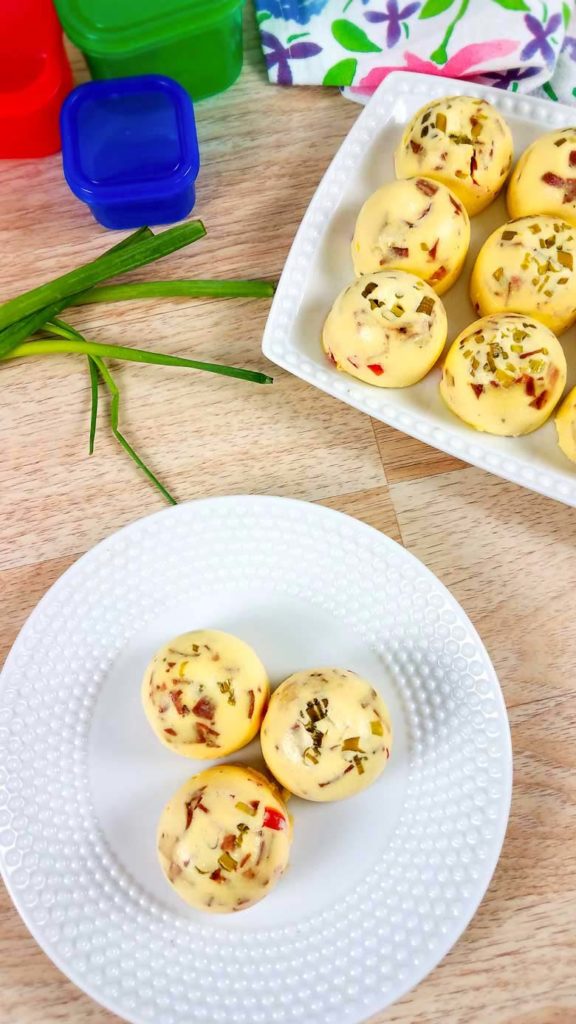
(130,150)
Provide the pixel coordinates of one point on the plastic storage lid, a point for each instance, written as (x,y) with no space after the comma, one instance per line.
(129,138)
(103,27)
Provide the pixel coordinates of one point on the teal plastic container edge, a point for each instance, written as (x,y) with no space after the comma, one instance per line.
(203,51)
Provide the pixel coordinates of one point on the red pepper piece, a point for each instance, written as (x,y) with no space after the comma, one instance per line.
(456,205)
(568,184)
(171,732)
(251,703)
(438,274)
(400,251)
(432,252)
(529,386)
(376,368)
(478,389)
(274,819)
(572,158)
(538,402)
(415,146)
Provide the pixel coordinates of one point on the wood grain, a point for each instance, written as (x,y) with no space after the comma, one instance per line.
(506,554)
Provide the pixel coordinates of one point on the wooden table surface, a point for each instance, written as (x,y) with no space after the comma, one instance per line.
(507,555)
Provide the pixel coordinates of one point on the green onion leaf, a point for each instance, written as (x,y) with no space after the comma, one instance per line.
(114,415)
(117,261)
(170,289)
(135,355)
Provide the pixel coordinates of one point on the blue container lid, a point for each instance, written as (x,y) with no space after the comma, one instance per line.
(126,139)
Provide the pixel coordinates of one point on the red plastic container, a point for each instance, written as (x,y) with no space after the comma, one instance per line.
(34,78)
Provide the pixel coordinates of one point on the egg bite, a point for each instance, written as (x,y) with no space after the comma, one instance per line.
(544,179)
(326,735)
(224,839)
(417,225)
(528,266)
(386,329)
(205,693)
(461,141)
(566,425)
(504,374)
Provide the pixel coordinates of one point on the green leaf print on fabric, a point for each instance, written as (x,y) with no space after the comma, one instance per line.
(353,38)
(513,5)
(433,7)
(440,54)
(341,73)
(566,14)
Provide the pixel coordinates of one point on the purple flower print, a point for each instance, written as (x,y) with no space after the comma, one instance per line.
(504,79)
(282,55)
(394,17)
(540,44)
(569,47)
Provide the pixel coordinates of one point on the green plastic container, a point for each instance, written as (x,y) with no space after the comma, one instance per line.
(197,42)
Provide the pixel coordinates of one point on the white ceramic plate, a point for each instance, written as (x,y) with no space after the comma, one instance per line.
(319,266)
(379,886)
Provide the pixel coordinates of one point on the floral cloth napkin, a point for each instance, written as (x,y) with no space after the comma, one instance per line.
(522,45)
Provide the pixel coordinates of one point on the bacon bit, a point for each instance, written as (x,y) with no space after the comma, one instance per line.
(400,251)
(204,708)
(426,187)
(260,855)
(534,352)
(553,374)
(170,665)
(353,361)
(415,146)
(478,389)
(529,385)
(171,732)
(255,804)
(229,843)
(330,358)
(432,252)
(438,275)
(161,686)
(250,873)
(274,819)
(181,708)
(568,184)
(204,734)
(194,804)
(376,369)
(572,158)
(538,402)
(350,768)
(473,167)
(252,701)
(456,205)
(217,876)
(245,859)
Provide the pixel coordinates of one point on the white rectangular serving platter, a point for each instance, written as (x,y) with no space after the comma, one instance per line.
(319,266)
